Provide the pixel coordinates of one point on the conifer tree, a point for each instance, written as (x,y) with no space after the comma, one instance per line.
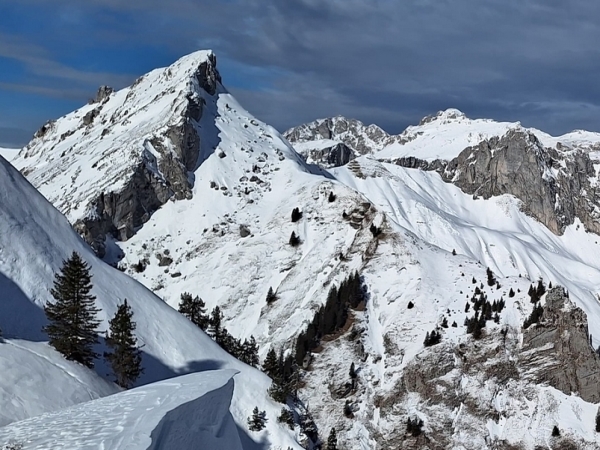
(194,309)
(271,365)
(256,421)
(215,324)
(296,215)
(125,358)
(271,296)
(249,352)
(72,327)
(353,373)
(294,240)
(332,440)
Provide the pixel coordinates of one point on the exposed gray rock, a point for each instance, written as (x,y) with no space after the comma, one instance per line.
(244,231)
(103,94)
(359,138)
(155,180)
(557,351)
(327,157)
(88,119)
(554,186)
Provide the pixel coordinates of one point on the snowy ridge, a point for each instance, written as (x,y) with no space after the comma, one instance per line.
(444,135)
(170,415)
(34,240)
(8,153)
(36,379)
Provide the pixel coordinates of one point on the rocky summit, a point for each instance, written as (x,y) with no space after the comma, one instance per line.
(435,289)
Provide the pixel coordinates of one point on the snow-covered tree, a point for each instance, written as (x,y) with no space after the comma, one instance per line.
(256,421)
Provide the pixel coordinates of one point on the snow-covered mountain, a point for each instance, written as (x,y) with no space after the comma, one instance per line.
(334,141)
(183,188)
(34,240)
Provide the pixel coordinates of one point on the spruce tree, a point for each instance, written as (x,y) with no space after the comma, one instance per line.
(256,421)
(194,309)
(72,327)
(125,358)
(215,324)
(271,296)
(249,352)
(271,365)
(294,240)
(332,440)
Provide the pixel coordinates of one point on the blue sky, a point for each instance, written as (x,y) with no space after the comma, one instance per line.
(288,62)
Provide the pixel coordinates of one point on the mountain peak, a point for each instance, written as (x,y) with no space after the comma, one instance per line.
(450,114)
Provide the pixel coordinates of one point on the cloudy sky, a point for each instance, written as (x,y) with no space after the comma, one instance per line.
(388,62)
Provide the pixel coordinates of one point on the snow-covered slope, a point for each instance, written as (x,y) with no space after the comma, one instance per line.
(34,240)
(227,240)
(184,413)
(36,379)
(8,153)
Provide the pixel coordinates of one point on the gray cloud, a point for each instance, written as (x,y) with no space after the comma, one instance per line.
(381,61)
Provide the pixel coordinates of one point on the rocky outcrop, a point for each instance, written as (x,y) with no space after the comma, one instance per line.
(557,351)
(332,156)
(360,138)
(554,186)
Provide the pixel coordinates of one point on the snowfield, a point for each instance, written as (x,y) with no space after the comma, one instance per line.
(178,414)
(36,379)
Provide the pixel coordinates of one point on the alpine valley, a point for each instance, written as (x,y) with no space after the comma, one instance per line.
(436,289)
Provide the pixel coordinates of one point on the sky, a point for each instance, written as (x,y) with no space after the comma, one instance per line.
(288,62)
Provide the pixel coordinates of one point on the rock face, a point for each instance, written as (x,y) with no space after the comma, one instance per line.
(146,141)
(555,186)
(359,138)
(326,153)
(557,351)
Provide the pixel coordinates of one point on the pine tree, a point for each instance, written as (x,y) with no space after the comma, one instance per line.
(353,373)
(555,431)
(256,422)
(331,197)
(249,352)
(294,240)
(72,327)
(215,325)
(125,359)
(332,440)
(271,365)
(271,296)
(511,293)
(296,215)
(194,309)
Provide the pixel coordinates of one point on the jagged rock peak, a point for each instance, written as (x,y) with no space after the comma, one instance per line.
(360,138)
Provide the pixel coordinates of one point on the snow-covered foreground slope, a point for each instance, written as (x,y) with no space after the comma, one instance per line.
(34,240)
(36,379)
(184,413)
